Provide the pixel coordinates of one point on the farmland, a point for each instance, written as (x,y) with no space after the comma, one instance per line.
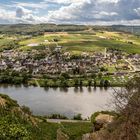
(76,43)
(41,59)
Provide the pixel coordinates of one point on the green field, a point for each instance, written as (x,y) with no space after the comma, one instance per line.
(76,43)
(73,130)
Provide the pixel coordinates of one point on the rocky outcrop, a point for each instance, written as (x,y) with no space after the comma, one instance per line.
(100,124)
(2,102)
(102,120)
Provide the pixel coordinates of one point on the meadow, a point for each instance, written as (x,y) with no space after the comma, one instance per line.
(89,42)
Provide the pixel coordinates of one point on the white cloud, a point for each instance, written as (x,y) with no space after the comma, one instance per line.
(137,11)
(65,1)
(108,1)
(74,11)
(6,15)
(21,11)
(92,11)
(40,5)
(104,14)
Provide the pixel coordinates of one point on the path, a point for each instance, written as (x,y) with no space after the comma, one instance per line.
(132,66)
(61,120)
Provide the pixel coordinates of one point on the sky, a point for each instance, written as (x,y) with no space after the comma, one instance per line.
(92,12)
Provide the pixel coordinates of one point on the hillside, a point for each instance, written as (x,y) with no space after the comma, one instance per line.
(126,125)
(128,29)
(17,122)
(39,28)
(74,39)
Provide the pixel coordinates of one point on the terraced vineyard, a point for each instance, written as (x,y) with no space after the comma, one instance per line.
(76,43)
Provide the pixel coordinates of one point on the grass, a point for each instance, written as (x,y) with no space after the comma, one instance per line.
(45,131)
(76,130)
(4,43)
(48,131)
(78,43)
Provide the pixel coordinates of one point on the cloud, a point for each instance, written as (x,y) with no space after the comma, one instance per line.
(81,12)
(21,11)
(40,5)
(74,12)
(64,1)
(137,10)
(92,11)
(108,1)
(6,16)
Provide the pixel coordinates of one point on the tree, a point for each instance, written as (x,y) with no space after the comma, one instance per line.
(65,75)
(103,69)
(64,83)
(89,83)
(126,123)
(81,83)
(102,83)
(76,82)
(77,117)
(106,83)
(95,83)
(127,102)
(93,75)
(100,75)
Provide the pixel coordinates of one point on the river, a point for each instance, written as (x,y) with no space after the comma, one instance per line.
(68,102)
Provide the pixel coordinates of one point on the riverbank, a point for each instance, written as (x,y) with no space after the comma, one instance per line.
(65,80)
(77,82)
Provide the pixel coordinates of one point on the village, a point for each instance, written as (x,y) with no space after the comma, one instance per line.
(111,62)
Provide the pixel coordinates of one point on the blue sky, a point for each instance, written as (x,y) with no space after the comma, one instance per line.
(101,12)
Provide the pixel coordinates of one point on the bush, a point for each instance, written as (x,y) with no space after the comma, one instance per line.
(57,116)
(78,117)
(11,130)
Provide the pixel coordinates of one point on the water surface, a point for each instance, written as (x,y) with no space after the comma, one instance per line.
(67,102)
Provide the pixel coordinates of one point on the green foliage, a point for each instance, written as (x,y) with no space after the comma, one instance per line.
(89,83)
(77,117)
(7,44)
(9,103)
(106,83)
(45,131)
(26,110)
(13,77)
(76,130)
(102,83)
(11,129)
(38,29)
(76,82)
(57,116)
(100,75)
(65,75)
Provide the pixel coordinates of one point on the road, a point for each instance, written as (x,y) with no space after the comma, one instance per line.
(61,120)
(132,66)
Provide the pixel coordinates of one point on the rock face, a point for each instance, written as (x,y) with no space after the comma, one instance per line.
(104,118)
(87,137)
(101,121)
(61,135)
(2,102)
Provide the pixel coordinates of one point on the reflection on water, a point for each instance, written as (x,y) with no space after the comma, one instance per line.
(65,101)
